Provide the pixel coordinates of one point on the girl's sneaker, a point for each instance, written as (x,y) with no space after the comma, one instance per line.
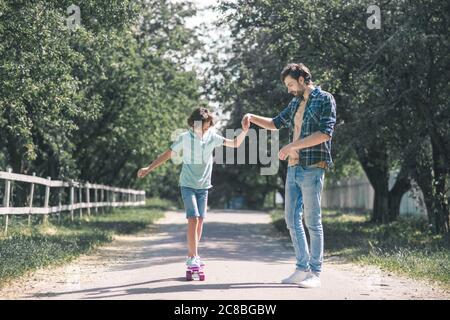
(200,262)
(192,262)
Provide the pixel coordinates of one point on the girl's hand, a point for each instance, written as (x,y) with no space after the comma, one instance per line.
(142,172)
(246,123)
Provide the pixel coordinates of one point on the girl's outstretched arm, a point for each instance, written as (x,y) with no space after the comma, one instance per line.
(236,142)
(155,164)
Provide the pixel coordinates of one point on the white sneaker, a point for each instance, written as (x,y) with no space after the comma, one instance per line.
(192,262)
(200,261)
(311,281)
(297,277)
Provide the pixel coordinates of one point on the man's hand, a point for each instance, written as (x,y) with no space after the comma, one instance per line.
(142,172)
(246,120)
(285,152)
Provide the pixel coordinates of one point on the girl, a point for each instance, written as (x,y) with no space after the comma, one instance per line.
(196,146)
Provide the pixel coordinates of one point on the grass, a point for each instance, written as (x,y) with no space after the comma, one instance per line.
(405,247)
(28,248)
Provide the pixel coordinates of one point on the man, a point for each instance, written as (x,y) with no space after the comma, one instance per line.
(311,117)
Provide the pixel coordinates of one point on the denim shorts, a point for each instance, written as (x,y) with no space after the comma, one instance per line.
(195,201)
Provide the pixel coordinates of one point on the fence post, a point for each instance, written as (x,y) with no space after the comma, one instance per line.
(111,200)
(80,200)
(96,199)
(47,197)
(59,205)
(107,200)
(72,196)
(102,198)
(31,200)
(88,200)
(114,199)
(6,200)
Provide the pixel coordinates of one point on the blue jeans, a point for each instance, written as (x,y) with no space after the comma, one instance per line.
(195,201)
(303,192)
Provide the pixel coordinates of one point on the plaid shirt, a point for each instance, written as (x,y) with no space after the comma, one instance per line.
(320,115)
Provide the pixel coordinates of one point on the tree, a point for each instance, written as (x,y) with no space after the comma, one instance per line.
(147,94)
(362,68)
(97,102)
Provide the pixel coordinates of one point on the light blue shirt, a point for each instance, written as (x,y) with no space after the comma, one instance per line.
(197,157)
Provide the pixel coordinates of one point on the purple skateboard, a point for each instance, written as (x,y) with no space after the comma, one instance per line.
(194,273)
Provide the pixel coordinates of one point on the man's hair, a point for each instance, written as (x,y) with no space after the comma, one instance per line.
(201,114)
(296,70)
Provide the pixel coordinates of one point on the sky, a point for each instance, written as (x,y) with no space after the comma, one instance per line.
(207,16)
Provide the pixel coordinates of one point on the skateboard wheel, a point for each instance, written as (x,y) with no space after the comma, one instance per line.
(188,275)
(201,277)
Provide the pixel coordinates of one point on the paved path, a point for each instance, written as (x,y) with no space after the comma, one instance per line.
(244,261)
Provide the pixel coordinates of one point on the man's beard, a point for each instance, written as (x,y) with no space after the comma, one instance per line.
(299,93)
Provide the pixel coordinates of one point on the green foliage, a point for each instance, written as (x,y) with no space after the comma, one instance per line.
(98,102)
(391,85)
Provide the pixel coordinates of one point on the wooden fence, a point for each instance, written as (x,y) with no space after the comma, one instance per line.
(103,196)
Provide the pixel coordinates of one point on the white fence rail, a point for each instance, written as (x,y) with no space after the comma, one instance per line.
(358,193)
(104,196)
